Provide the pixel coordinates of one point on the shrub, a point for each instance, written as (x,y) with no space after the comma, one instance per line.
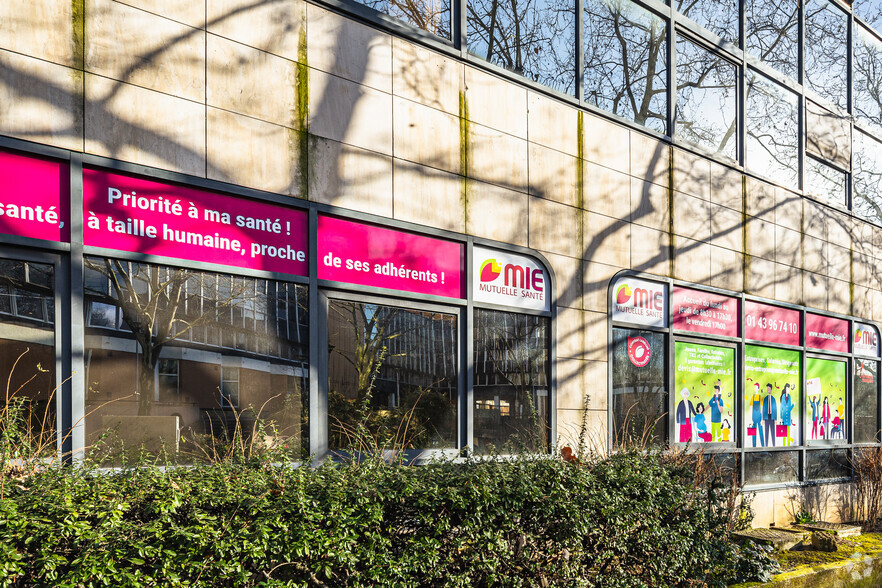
(627,520)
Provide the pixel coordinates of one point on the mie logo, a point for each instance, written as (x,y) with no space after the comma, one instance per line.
(863,337)
(640,298)
(490,270)
(516,276)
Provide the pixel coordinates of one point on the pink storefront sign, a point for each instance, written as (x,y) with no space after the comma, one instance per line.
(772,324)
(826,333)
(34,197)
(133,214)
(705,312)
(357,253)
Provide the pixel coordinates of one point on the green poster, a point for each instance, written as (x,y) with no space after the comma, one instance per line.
(704,378)
(771,396)
(826,398)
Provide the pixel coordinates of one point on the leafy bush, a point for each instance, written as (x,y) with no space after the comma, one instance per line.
(628,520)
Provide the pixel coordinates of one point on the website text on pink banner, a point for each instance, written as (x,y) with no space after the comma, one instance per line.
(34,197)
(138,215)
(368,255)
(826,333)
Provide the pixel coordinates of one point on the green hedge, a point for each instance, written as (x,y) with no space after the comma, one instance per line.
(627,520)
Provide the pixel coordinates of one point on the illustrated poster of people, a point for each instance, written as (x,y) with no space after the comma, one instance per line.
(704,399)
(772,396)
(826,399)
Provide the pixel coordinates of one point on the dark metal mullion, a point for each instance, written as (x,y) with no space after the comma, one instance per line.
(849,181)
(580,51)
(672,66)
(318,373)
(801,78)
(73,391)
(466,365)
(459,34)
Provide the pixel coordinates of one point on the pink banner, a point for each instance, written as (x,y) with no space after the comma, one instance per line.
(132,214)
(34,197)
(705,312)
(773,324)
(825,332)
(357,253)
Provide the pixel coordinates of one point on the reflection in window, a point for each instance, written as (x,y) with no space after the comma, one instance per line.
(534,38)
(867,77)
(430,15)
(639,391)
(393,372)
(159,376)
(705,113)
(625,64)
(27,349)
(772,140)
(826,57)
(772,33)
(718,16)
(827,464)
(870,11)
(510,382)
(867,177)
(866,427)
(770,467)
(822,181)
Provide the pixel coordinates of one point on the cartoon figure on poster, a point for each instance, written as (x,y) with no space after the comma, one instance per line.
(826,389)
(705,377)
(771,395)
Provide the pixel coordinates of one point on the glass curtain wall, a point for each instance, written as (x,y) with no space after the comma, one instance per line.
(178,360)
(27,351)
(740,94)
(392,377)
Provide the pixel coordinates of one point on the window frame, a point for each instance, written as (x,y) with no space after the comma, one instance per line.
(740,447)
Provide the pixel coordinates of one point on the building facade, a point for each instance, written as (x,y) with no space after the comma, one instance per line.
(465,226)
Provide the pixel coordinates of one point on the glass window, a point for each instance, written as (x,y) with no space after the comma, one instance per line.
(718,16)
(826,399)
(867,177)
(870,11)
(229,390)
(625,63)
(866,404)
(772,33)
(771,467)
(704,403)
(27,350)
(772,130)
(510,382)
(772,396)
(159,381)
(823,181)
(430,15)
(534,38)
(827,464)
(867,78)
(392,371)
(640,396)
(826,52)
(705,113)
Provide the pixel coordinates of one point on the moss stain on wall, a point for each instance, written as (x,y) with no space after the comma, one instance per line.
(301,138)
(78,23)
(464,162)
